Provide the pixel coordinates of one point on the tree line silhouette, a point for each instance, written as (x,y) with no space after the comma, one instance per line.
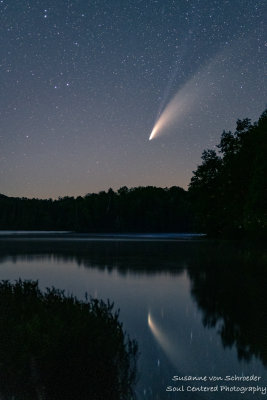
(226,197)
(141,209)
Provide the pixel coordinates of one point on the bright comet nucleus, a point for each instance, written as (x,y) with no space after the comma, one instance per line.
(153,133)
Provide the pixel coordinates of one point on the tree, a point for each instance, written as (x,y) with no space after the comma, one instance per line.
(229,192)
(204,191)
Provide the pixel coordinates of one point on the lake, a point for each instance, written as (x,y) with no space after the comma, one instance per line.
(196,307)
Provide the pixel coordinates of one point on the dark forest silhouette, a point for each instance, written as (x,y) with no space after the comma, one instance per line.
(226,197)
(228,191)
(141,209)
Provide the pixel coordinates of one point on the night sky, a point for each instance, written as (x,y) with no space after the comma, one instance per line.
(84,81)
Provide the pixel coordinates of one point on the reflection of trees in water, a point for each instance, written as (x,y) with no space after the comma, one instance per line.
(229,285)
(147,257)
(228,280)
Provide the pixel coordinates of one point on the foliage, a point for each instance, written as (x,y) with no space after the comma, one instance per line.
(228,190)
(55,347)
(141,209)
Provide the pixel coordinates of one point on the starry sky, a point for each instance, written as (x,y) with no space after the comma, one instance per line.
(84,81)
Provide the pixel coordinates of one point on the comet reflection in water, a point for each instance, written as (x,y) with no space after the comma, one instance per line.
(162,339)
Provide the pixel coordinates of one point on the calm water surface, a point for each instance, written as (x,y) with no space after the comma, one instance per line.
(195,307)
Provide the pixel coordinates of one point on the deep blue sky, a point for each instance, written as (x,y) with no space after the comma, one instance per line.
(82,83)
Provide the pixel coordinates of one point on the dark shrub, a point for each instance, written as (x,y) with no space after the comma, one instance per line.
(56,347)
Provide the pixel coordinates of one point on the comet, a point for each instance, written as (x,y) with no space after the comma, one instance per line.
(153,133)
(184,100)
(174,111)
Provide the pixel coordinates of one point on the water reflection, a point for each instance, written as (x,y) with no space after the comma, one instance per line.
(229,285)
(169,347)
(124,256)
(226,281)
